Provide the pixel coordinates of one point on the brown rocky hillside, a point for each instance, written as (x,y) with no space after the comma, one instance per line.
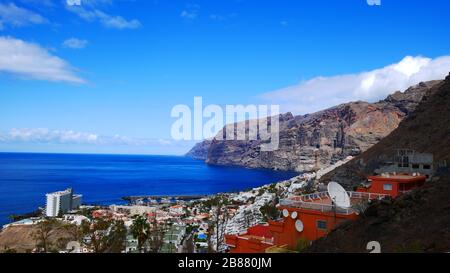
(416,222)
(426,130)
(20,238)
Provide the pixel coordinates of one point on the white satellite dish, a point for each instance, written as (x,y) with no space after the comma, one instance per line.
(299,225)
(338,195)
(285,213)
(294,215)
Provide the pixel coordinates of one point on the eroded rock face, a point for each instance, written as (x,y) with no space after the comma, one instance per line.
(200,150)
(318,140)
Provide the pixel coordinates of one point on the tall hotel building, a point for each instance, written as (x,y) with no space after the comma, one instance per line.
(61,202)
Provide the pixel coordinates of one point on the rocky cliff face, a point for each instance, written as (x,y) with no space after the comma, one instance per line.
(200,150)
(426,130)
(317,140)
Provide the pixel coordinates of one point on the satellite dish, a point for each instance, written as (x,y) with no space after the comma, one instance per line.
(294,215)
(338,195)
(285,213)
(299,225)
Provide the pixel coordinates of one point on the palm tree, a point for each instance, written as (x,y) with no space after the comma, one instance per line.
(140,230)
(117,237)
(97,231)
(219,220)
(156,235)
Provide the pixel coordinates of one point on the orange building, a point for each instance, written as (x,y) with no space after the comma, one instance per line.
(305,218)
(394,184)
(256,240)
(309,217)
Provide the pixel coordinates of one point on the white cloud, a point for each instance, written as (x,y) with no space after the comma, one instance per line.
(47,136)
(117,21)
(89,12)
(75,43)
(322,92)
(188,14)
(31,61)
(69,141)
(42,135)
(191,12)
(10,14)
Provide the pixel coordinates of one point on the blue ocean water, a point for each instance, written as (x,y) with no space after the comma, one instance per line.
(105,179)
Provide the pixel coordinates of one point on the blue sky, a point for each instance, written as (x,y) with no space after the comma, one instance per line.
(104,76)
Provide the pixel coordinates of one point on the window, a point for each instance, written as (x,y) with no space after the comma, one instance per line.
(415,166)
(426,167)
(387,187)
(321,224)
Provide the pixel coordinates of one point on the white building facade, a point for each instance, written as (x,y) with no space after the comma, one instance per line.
(61,202)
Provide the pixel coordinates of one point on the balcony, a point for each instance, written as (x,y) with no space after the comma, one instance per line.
(321,201)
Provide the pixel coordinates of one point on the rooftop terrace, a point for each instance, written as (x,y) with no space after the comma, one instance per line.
(322,202)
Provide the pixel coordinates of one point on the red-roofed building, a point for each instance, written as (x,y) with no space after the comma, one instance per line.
(103,214)
(176,210)
(393,184)
(256,240)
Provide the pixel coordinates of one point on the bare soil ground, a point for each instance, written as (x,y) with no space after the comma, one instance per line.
(20,239)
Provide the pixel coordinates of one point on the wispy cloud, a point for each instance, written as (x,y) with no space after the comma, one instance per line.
(47,136)
(75,43)
(323,92)
(15,16)
(31,61)
(191,12)
(70,141)
(91,12)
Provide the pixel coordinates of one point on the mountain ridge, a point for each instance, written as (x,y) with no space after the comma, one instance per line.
(312,141)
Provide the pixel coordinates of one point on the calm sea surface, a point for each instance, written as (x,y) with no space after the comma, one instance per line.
(105,179)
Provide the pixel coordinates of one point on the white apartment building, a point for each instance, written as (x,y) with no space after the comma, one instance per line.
(76,201)
(61,202)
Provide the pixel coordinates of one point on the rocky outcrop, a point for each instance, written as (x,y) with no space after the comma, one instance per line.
(315,141)
(200,150)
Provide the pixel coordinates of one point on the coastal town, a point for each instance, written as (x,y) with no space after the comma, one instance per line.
(281,217)
(166,225)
